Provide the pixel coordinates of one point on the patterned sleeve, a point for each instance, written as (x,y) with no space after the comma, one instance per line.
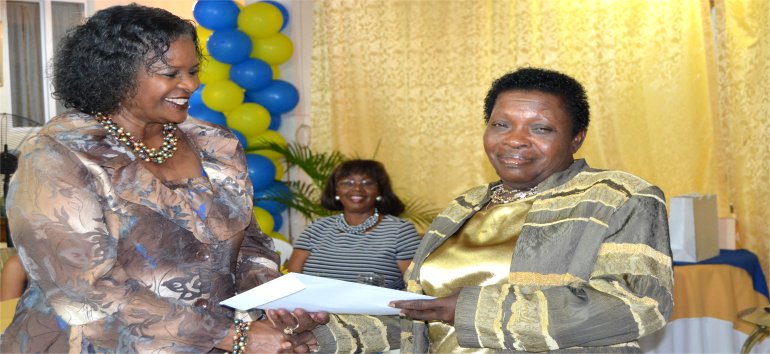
(628,294)
(62,236)
(258,259)
(407,241)
(358,334)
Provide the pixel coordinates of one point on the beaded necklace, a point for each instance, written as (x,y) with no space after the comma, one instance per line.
(502,195)
(158,156)
(343,225)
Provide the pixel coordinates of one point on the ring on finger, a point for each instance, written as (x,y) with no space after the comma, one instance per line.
(289,330)
(297,319)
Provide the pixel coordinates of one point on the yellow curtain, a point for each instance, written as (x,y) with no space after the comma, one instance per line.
(743,57)
(404,81)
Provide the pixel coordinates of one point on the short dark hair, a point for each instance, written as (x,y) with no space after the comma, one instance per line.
(96,63)
(390,203)
(569,90)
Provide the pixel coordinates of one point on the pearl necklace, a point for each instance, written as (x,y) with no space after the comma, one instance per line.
(158,156)
(502,195)
(343,225)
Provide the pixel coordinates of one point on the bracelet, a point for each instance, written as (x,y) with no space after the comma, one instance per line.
(241,336)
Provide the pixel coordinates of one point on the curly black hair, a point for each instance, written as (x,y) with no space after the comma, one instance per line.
(569,90)
(96,63)
(390,203)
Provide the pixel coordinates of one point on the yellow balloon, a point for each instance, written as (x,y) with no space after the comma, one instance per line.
(277,235)
(276,71)
(222,96)
(203,34)
(213,70)
(270,154)
(273,50)
(260,20)
(264,219)
(279,169)
(262,140)
(249,119)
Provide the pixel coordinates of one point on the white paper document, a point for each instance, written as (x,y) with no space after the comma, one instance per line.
(295,290)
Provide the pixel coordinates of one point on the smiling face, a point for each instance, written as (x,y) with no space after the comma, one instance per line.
(163,91)
(357,193)
(529,137)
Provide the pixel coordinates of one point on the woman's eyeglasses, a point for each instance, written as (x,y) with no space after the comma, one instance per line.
(350,183)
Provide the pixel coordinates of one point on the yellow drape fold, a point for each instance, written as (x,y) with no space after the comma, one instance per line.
(743,57)
(404,81)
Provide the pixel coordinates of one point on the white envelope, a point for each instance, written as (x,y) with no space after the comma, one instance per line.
(295,290)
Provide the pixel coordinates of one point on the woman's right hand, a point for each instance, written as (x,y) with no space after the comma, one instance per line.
(264,338)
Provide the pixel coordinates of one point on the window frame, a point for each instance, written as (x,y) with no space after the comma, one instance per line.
(47,51)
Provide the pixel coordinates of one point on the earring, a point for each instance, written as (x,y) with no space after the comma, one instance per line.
(336,197)
(379,198)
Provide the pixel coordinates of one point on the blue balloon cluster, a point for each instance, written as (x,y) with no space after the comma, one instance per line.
(242,47)
(266,199)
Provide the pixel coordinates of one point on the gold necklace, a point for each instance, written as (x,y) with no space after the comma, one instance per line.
(502,195)
(158,156)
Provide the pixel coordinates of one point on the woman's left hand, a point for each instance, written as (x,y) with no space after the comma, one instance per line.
(440,309)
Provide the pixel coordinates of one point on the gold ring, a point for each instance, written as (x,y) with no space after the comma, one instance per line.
(288,331)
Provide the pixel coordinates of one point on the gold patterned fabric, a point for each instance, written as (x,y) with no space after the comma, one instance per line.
(405,79)
(478,255)
(591,268)
(743,58)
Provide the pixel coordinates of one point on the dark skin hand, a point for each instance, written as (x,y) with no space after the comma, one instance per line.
(301,323)
(441,309)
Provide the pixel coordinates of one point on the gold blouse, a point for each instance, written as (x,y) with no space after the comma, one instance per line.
(478,255)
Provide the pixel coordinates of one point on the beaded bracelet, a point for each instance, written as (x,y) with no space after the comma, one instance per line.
(241,336)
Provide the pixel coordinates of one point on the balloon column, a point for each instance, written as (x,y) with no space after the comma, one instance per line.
(240,89)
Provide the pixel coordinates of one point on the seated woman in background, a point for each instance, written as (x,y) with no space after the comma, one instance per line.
(367,237)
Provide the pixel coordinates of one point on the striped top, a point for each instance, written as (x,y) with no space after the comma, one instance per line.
(339,255)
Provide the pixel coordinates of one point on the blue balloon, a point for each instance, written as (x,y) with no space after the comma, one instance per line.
(279,97)
(241,138)
(196,99)
(284,12)
(216,15)
(252,74)
(229,46)
(210,116)
(275,122)
(263,197)
(261,171)
(278,221)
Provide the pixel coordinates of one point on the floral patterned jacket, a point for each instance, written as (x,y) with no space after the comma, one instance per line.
(120,261)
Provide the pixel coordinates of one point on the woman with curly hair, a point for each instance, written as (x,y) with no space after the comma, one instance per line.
(132,220)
